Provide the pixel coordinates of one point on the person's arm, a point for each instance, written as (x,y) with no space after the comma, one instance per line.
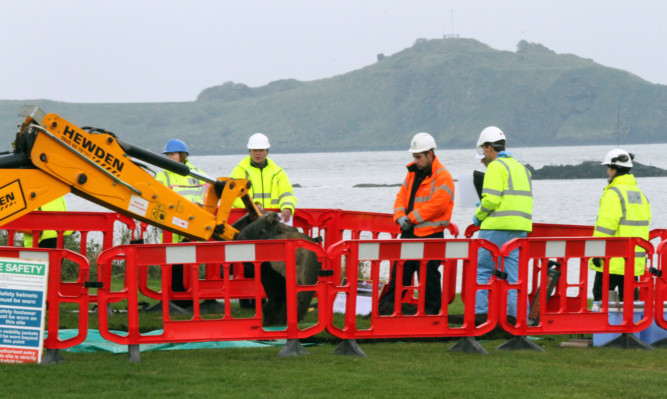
(239,173)
(401,201)
(494,182)
(286,198)
(609,215)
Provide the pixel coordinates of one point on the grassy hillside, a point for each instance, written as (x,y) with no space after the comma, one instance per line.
(451,88)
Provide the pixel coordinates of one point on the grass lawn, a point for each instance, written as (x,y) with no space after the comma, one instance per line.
(420,368)
(392,369)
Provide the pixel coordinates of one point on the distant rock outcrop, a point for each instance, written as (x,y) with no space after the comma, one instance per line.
(589,170)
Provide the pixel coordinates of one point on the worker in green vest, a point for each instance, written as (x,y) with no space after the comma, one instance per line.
(189,187)
(505,212)
(624,212)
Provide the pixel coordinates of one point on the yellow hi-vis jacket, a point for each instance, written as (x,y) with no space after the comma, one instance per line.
(624,212)
(271,187)
(57,205)
(507,197)
(189,187)
(193,189)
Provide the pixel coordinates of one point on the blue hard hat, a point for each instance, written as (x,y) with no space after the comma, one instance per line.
(175,145)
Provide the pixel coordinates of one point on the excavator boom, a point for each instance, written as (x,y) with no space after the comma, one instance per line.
(53,157)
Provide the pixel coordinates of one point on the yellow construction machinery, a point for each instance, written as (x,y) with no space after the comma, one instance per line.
(53,157)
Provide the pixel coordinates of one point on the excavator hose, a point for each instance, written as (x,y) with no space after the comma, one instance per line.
(154,159)
(14,161)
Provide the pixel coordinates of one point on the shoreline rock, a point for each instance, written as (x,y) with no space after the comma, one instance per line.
(589,170)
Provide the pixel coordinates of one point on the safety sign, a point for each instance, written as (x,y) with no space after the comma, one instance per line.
(23,286)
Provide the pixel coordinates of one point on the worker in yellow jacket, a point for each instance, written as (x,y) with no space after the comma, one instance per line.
(47,238)
(624,212)
(189,187)
(271,187)
(505,212)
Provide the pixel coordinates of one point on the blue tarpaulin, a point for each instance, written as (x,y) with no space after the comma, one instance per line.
(95,343)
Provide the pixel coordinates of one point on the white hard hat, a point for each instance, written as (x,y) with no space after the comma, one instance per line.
(422,142)
(490,134)
(258,141)
(618,157)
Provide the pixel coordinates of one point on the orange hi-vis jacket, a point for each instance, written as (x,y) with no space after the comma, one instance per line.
(434,200)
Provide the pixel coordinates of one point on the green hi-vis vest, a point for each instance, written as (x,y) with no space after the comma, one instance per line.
(57,205)
(624,212)
(193,189)
(507,197)
(270,188)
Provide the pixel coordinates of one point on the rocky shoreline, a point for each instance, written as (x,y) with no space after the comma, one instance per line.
(589,170)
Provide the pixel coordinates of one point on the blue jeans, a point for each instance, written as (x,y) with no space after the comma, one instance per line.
(485,267)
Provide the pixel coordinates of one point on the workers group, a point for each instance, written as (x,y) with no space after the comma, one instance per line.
(423,209)
(424,203)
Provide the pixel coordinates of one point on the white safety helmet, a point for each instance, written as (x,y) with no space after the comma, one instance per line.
(618,157)
(258,141)
(490,134)
(422,142)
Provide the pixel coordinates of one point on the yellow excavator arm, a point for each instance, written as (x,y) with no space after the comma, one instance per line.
(53,157)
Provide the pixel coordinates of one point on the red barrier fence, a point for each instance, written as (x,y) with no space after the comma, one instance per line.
(548,230)
(377,252)
(191,255)
(350,240)
(567,311)
(59,292)
(83,222)
(661,286)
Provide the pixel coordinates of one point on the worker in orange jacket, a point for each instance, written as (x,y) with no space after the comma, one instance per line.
(422,209)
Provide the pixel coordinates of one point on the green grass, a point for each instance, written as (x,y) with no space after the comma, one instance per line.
(392,369)
(421,368)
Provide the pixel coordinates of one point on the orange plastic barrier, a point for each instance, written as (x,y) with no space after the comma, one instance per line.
(59,292)
(566,311)
(191,255)
(375,252)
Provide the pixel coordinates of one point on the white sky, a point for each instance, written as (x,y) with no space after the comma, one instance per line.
(170,50)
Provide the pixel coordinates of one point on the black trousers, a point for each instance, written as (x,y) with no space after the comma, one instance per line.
(615,281)
(433,288)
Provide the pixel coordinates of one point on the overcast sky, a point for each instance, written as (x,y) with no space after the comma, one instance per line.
(170,50)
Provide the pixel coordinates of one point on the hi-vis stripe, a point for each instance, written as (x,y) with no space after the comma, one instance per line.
(180,254)
(414,250)
(624,218)
(510,184)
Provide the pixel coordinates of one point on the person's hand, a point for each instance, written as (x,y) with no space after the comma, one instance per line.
(286,215)
(404,222)
(476,221)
